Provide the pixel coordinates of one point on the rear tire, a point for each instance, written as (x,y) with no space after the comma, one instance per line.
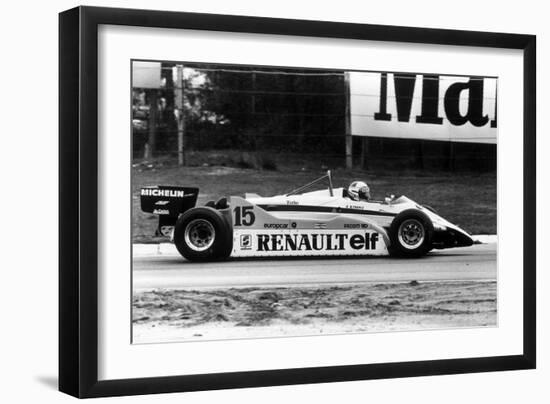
(411,234)
(201,234)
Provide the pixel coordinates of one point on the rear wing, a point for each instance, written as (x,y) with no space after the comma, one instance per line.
(167,200)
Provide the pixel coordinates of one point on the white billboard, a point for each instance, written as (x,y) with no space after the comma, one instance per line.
(146,74)
(422,106)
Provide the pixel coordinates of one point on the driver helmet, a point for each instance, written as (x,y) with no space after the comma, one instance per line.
(359,190)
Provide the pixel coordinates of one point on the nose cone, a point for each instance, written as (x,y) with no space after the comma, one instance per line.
(452,237)
(463,239)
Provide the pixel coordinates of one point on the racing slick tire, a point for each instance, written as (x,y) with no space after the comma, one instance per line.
(201,234)
(411,234)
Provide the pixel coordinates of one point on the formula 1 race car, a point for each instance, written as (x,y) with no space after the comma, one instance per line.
(324,222)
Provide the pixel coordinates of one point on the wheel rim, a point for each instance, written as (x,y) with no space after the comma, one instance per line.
(199,235)
(411,234)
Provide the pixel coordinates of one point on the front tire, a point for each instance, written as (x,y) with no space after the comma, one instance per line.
(411,234)
(201,234)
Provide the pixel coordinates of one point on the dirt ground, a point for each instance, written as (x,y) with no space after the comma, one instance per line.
(184,315)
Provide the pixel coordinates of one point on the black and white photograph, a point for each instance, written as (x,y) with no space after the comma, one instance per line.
(273,201)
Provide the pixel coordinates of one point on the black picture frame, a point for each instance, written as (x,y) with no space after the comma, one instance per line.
(78,206)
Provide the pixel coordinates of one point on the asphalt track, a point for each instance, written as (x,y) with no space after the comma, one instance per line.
(171,271)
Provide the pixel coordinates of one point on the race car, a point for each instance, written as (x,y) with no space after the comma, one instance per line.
(322,222)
